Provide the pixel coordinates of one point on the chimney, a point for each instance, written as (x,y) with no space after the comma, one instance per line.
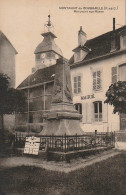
(82,37)
(113,38)
(113,24)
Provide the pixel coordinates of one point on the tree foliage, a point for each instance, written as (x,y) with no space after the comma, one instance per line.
(4,84)
(116,96)
(11,100)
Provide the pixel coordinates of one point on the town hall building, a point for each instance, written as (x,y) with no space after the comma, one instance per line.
(95,65)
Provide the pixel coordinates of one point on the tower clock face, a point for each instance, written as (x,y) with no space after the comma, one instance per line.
(43,55)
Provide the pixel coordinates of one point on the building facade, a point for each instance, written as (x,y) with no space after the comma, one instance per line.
(95,65)
(7,58)
(7,66)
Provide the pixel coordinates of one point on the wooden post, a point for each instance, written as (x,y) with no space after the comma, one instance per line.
(62,144)
(114,138)
(28,112)
(52,142)
(44,98)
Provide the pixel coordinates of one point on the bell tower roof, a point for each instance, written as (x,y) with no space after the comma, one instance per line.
(49,33)
(48,43)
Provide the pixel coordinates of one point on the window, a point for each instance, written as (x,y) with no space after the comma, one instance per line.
(113,43)
(97,80)
(122,72)
(77,84)
(30,118)
(49,55)
(114,74)
(98,111)
(37,56)
(78,107)
(123,41)
(77,57)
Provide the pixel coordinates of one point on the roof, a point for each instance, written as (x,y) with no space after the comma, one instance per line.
(101,45)
(2,36)
(39,77)
(48,44)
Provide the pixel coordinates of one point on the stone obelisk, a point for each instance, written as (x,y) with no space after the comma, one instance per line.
(62,117)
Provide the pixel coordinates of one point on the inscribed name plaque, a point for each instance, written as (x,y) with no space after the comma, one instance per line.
(32,145)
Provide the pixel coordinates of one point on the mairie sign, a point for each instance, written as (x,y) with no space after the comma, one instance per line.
(87,97)
(32,145)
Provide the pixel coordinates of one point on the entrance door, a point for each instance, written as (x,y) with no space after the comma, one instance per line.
(122,121)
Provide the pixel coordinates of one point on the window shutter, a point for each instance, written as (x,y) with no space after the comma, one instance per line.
(77,84)
(97,83)
(98,80)
(114,74)
(105,108)
(94,81)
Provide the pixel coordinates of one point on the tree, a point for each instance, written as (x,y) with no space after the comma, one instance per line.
(116,96)
(11,100)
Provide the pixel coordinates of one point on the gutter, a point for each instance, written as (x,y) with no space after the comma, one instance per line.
(36,85)
(97,58)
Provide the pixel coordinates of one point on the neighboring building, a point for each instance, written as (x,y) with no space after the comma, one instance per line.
(7,58)
(7,66)
(95,65)
(39,85)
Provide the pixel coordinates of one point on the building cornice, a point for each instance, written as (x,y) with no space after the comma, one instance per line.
(97,58)
(36,85)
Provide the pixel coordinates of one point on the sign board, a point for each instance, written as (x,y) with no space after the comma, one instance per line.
(87,97)
(32,145)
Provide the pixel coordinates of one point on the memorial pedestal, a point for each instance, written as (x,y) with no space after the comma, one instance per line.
(60,122)
(62,117)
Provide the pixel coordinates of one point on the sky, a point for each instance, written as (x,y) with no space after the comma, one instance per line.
(23,22)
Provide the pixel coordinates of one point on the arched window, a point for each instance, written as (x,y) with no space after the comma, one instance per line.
(78,107)
(98,111)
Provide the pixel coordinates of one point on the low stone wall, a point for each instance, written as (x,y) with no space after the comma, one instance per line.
(120,136)
(61,156)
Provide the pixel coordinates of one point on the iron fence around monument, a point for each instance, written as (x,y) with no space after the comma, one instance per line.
(67,143)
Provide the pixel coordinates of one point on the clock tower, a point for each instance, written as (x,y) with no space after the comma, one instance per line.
(47,52)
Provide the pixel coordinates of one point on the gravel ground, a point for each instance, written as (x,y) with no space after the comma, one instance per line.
(57,166)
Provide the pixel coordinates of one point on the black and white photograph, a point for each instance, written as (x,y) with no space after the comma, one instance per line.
(63,97)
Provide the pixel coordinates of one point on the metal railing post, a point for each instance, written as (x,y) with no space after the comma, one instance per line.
(65,142)
(76,141)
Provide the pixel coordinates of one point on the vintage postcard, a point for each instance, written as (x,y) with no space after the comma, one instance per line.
(62,97)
